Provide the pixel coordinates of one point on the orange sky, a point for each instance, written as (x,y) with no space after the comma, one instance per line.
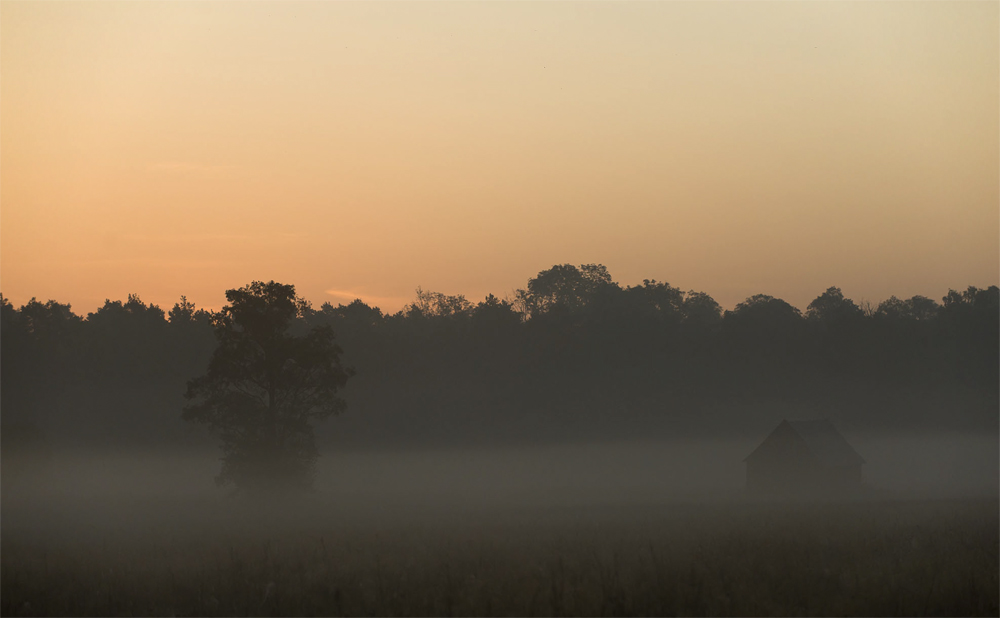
(365,149)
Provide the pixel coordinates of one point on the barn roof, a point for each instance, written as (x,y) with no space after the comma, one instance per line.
(822,440)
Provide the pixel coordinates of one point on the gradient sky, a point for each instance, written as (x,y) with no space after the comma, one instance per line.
(362,150)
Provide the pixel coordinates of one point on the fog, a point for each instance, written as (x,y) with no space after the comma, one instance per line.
(531,530)
(589,449)
(510,476)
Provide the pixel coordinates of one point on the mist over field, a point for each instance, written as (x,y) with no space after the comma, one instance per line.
(623,528)
(519,476)
(585,449)
(499,308)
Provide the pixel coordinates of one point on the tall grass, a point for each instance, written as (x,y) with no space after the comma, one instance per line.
(889,558)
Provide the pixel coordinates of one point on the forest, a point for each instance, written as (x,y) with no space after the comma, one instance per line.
(572,356)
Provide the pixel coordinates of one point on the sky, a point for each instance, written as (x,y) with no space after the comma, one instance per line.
(366,149)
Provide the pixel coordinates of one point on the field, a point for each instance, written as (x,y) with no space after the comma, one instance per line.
(138,556)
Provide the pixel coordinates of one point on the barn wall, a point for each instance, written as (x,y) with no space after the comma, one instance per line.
(800,477)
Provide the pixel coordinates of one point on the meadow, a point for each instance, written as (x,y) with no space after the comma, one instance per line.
(318,556)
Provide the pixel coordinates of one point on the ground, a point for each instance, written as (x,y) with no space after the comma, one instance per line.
(315,556)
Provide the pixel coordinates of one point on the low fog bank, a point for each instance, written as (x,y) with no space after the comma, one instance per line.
(398,484)
(952,465)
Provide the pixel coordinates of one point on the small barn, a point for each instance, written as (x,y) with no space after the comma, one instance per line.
(804,457)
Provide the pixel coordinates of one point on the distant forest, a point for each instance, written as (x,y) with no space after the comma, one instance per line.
(574,355)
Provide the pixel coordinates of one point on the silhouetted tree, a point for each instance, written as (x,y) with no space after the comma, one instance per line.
(831,307)
(39,344)
(701,311)
(572,350)
(184,312)
(494,317)
(436,304)
(660,296)
(127,341)
(265,387)
(970,319)
(763,338)
(564,288)
(763,320)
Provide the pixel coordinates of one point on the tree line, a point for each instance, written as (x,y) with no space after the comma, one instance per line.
(572,355)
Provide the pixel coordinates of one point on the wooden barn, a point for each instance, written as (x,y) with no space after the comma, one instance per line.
(804,457)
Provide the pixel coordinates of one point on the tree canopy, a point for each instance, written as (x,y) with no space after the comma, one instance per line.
(265,387)
(574,355)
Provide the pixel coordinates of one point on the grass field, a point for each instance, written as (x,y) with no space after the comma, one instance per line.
(909,558)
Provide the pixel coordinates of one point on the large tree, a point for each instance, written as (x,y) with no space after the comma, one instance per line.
(266,386)
(565,289)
